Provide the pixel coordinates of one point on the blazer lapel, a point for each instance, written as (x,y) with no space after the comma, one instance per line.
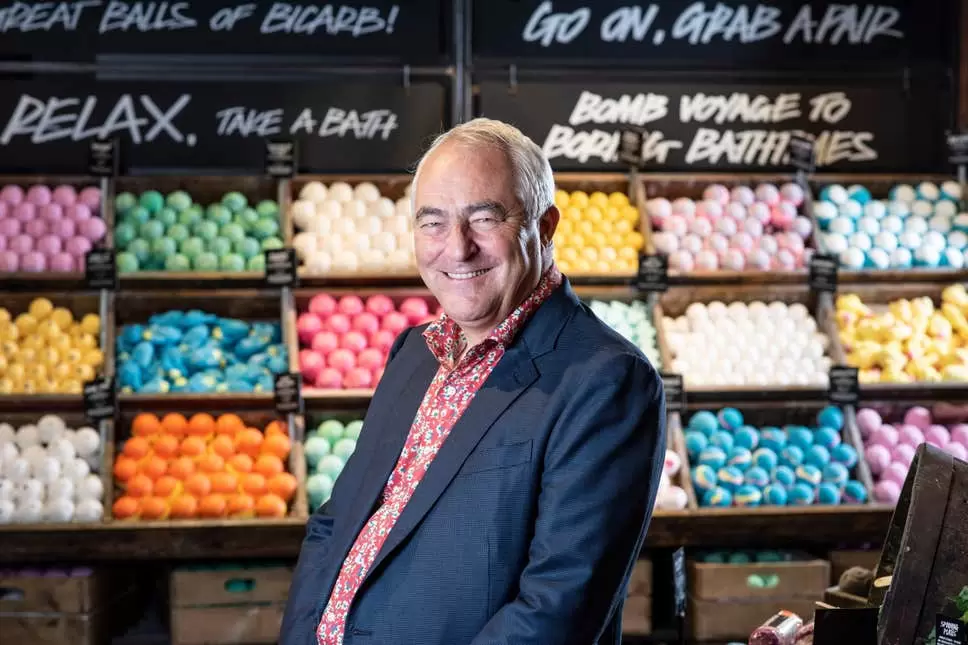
(511,376)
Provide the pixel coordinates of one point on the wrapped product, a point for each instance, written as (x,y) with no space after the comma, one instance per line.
(781,629)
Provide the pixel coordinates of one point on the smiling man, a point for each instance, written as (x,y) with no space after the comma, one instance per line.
(508,463)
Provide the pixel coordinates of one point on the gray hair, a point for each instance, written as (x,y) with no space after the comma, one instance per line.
(535,183)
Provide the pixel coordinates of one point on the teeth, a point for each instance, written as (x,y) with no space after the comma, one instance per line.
(466,276)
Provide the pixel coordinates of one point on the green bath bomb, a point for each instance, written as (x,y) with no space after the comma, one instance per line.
(152,201)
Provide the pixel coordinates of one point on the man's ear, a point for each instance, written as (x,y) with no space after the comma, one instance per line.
(548,224)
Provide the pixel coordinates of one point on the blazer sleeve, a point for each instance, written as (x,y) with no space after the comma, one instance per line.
(600,479)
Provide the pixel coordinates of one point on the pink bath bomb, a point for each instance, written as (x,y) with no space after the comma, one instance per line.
(10,227)
(782,215)
(682,261)
(12,194)
(33,262)
(959,433)
(78,246)
(3,243)
(659,207)
(754,227)
(785,260)
(91,197)
(9,261)
(727,226)
(743,195)
(64,195)
(307,326)
(887,492)
(62,262)
(868,421)
(21,244)
(310,364)
(937,435)
(878,457)
(716,193)
(758,259)
(919,417)
(886,436)
(911,435)
(93,229)
(736,210)
(742,241)
(768,194)
(25,211)
(39,195)
(78,212)
(701,226)
(957,450)
(4,210)
(65,229)
(707,261)
(710,209)
(36,228)
(734,260)
(685,207)
(903,454)
(677,225)
(760,212)
(51,212)
(896,472)
(49,245)
(769,243)
(802,226)
(792,193)
(717,243)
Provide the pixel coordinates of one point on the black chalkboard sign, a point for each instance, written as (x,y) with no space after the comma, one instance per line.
(103,160)
(287,393)
(341,124)
(802,153)
(88,30)
(844,385)
(675,392)
(709,123)
(653,274)
(729,34)
(101,269)
(822,274)
(281,268)
(100,400)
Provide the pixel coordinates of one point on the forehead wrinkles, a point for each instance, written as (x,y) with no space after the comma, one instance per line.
(484,172)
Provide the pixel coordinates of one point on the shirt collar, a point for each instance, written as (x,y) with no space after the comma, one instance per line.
(446,340)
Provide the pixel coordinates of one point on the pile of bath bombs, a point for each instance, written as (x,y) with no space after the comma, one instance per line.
(327,449)
(175,467)
(48,229)
(154,232)
(908,340)
(748,557)
(597,234)
(735,464)
(671,497)
(48,472)
(759,229)
(633,321)
(344,341)
(774,344)
(47,350)
(198,352)
(916,226)
(889,447)
(345,229)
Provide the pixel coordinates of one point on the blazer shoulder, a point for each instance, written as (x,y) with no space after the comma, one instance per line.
(588,338)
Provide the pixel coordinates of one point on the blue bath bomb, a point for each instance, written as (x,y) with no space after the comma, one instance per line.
(817,456)
(773,439)
(716,557)
(800,437)
(703,478)
(717,497)
(705,422)
(740,458)
(854,492)
(835,473)
(801,494)
(739,557)
(784,476)
(696,442)
(746,437)
(844,454)
(713,457)
(828,494)
(730,477)
(757,476)
(792,456)
(722,439)
(859,194)
(775,495)
(748,495)
(831,417)
(826,437)
(765,459)
(730,418)
(810,475)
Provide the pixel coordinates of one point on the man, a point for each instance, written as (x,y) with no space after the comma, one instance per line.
(510,458)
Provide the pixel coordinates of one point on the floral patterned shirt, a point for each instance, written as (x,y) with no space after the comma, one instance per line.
(454,386)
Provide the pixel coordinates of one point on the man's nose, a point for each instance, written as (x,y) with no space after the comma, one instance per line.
(460,242)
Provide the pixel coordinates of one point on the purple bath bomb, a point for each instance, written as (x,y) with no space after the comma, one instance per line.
(918,416)
(4,210)
(12,194)
(868,421)
(36,228)
(78,246)
(878,457)
(9,261)
(93,229)
(3,243)
(49,245)
(65,229)
(38,194)
(959,434)
(957,450)
(903,454)
(937,435)
(62,262)
(21,244)
(896,472)
(33,262)
(911,435)
(887,492)
(25,211)
(10,227)
(886,436)
(91,197)
(78,212)
(51,212)
(64,195)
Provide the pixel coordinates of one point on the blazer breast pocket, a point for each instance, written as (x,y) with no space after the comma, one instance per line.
(498,457)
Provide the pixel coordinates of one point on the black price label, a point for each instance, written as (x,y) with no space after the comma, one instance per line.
(630,147)
(803,157)
(679,580)
(287,391)
(281,158)
(103,158)
(281,267)
(653,273)
(100,402)
(951,631)
(101,270)
(958,149)
(675,392)
(844,386)
(823,272)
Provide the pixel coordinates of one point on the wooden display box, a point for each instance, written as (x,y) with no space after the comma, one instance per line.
(637,610)
(676,441)
(228,606)
(204,191)
(843,559)
(673,186)
(724,605)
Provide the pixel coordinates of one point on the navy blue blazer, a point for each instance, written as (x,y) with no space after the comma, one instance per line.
(526,525)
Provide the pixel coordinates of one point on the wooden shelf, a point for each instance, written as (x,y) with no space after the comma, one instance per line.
(219,539)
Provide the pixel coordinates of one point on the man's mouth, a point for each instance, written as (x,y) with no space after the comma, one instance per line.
(466,276)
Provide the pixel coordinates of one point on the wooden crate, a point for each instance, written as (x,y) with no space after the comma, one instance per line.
(637,610)
(923,567)
(676,441)
(228,606)
(843,559)
(710,620)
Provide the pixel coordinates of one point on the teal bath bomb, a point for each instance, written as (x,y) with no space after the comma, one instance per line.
(123,234)
(190,216)
(267,208)
(127,262)
(178,200)
(218,214)
(162,248)
(256,263)
(124,202)
(271,243)
(178,263)
(247,218)
(167,217)
(232,232)
(136,216)
(152,201)
(205,261)
(206,229)
(140,249)
(220,246)
(265,228)
(192,247)
(248,248)
(178,232)
(232,262)
(151,230)
(235,201)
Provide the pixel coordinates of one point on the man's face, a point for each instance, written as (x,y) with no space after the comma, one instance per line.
(476,248)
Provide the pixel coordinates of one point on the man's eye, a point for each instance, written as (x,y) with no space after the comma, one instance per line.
(427,225)
(483,221)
